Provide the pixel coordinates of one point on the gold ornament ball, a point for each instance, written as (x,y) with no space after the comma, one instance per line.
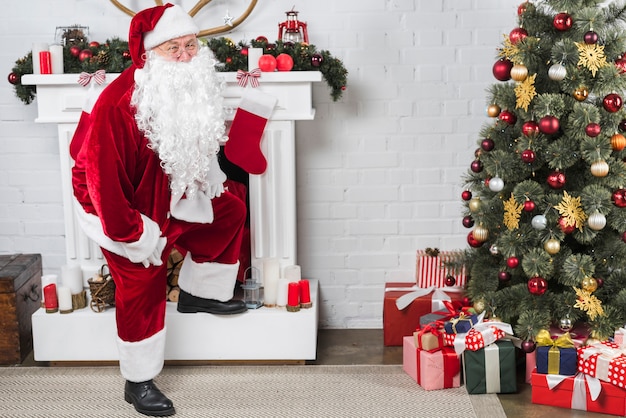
(479,306)
(519,72)
(581,94)
(552,246)
(596,221)
(589,284)
(600,168)
(493,111)
(481,233)
(474,204)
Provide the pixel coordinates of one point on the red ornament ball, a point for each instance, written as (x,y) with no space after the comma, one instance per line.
(599,282)
(502,69)
(504,276)
(517,35)
(476,166)
(593,129)
(622,125)
(563,226)
(450,280)
(528,156)
(508,117)
(261,39)
(529,206)
(466,195)
(13,78)
(556,180)
(624,237)
(94,44)
(530,128)
(528,346)
(522,8)
(549,125)
(620,63)
(619,198)
(612,102)
(85,54)
(537,285)
(473,242)
(487,144)
(75,50)
(244,51)
(267,63)
(512,262)
(562,22)
(284,62)
(468,222)
(317,59)
(590,37)
(126,55)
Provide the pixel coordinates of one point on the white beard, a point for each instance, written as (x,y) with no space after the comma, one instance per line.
(179,109)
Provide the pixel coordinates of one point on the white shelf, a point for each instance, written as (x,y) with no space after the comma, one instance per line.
(258,334)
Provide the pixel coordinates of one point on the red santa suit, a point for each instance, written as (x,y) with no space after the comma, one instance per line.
(124,203)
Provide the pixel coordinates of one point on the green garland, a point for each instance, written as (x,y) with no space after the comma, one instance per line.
(113,57)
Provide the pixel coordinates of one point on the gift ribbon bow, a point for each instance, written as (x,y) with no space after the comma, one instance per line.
(405,300)
(85,78)
(554,354)
(434,328)
(582,383)
(486,329)
(243,77)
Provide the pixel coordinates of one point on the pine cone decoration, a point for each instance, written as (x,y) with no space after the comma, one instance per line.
(103,57)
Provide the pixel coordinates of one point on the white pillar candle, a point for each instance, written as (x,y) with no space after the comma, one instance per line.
(281,294)
(293,273)
(72,277)
(270,281)
(56,54)
(37,48)
(253,57)
(64,294)
(47,279)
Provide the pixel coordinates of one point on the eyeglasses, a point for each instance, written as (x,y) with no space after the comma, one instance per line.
(175,51)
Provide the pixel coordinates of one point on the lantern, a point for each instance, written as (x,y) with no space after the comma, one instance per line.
(292,30)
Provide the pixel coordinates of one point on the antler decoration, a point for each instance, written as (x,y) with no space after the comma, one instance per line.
(195,10)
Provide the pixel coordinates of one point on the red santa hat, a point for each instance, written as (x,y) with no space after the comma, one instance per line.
(153,26)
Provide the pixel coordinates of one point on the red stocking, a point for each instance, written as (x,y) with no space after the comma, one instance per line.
(243,147)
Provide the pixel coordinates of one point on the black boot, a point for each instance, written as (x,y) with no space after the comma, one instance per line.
(148,399)
(188,303)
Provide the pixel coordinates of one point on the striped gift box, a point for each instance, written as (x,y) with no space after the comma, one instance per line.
(431,268)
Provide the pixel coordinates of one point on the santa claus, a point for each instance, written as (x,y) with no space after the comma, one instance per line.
(147,179)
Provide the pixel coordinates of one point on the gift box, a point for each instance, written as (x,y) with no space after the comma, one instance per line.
(531,366)
(556,355)
(402,320)
(430,337)
(431,268)
(480,336)
(431,370)
(460,324)
(605,361)
(581,392)
(499,376)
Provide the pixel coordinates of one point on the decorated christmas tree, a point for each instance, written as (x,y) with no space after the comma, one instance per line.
(545,196)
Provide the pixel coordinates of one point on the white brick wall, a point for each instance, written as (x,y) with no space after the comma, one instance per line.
(378,172)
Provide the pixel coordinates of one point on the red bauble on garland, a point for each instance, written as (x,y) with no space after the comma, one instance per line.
(530,128)
(593,129)
(85,54)
(529,206)
(512,262)
(619,198)
(517,35)
(556,179)
(508,117)
(590,37)
(549,125)
(476,166)
(612,102)
(487,144)
(75,50)
(317,59)
(284,62)
(562,22)
(504,276)
(468,222)
(528,346)
(502,69)
(13,78)
(466,195)
(522,8)
(528,156)
(620,63)
(267,63)
(473,242)
(537,285)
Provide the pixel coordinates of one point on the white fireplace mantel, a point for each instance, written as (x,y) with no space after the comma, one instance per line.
(272,197)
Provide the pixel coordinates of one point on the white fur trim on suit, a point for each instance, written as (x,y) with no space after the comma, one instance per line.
(208,280)
(199,209)
(142,360)
(136,252)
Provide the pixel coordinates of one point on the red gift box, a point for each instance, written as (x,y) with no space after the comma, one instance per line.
(399,323)
(604,360)
(431,268)
(480,336)
(580,392)
(437,370)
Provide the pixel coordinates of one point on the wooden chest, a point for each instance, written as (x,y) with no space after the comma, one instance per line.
(20,297)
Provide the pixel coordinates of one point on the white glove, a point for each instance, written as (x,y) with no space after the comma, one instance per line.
(155,257)
(216,178)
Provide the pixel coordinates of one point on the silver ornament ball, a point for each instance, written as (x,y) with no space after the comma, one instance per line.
(539,222)
(496,184)
(565,324)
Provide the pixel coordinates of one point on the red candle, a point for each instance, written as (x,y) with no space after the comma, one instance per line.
(305,294)
(293,297)
(45,62)
(50,298)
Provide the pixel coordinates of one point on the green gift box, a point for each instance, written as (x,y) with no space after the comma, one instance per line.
(499,376)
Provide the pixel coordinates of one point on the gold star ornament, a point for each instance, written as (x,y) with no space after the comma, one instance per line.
(512,213)
(588,303)
(591,56)
(525,92)
(572,212)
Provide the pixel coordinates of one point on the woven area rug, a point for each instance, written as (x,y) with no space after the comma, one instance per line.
(239,391)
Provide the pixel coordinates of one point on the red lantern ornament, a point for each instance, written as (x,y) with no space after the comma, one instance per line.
(267,63)
(284,62)
(619,198)
(317,59)
(502,69)
(468,222)
(292,30)
(556,179)
(529,206)
(85,54)
(530,128)
(466,195)
(512,262)
(473,242)
(487,144)
(612,102)
(562,22)
(476,166)
(549,125)
(537,285)
(508,117)
(528,156)
(593,129)
(590,37)
(517,35)
(13,78)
